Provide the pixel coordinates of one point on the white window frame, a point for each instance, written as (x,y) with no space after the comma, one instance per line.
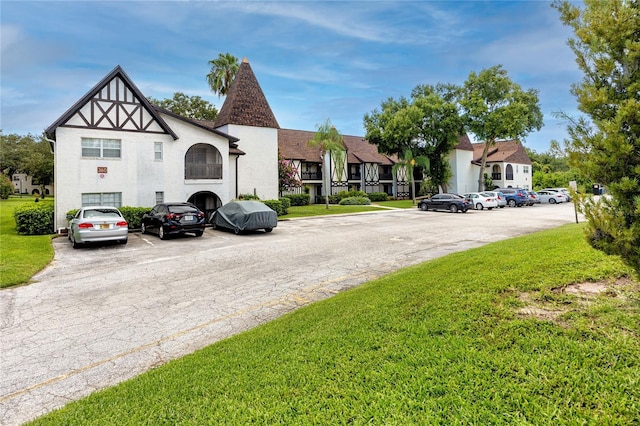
(113,199)
(157,151)
(101,148)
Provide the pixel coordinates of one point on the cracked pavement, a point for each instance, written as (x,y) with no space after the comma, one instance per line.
(100,315)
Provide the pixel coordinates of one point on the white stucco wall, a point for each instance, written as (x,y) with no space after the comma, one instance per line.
(136,174)
(465,174)
(258,169)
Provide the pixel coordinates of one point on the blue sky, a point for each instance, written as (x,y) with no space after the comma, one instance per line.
(314,60)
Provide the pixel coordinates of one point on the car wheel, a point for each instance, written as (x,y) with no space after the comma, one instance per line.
(512,203)
(161,233)
(552,200)
(479,206)
(268,229)
(143,228)
(489,208)
(236,231)
(424,207)
(453,208)
(74,243)
(123,242)
(199,233)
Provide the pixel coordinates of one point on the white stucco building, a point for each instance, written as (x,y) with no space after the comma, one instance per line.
(113,147)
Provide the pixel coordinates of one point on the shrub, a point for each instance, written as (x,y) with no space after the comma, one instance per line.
(378,196)
(6,187)
(298,199)
(276,206)
(35,219)
(248,197)
(286,203)
(352,193)
(355,201)
(133,215)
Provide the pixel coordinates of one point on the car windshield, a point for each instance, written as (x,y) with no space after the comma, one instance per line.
(182,209)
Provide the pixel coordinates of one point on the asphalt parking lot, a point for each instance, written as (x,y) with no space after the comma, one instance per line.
(100,315)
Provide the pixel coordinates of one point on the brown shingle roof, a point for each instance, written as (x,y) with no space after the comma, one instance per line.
(511,151)
(245,103)
(293,145)
(465,143)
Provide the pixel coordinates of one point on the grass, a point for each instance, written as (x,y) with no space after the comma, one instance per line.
(445,342)
(321,209)
(20,256)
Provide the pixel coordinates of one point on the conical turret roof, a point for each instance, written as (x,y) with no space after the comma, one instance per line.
(245,103)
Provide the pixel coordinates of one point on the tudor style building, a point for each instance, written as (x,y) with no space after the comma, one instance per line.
(113,147)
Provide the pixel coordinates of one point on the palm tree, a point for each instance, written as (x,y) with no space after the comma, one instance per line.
(223,71)
(408,163)
(329,140)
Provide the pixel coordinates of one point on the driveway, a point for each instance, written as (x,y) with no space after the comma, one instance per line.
(99,315)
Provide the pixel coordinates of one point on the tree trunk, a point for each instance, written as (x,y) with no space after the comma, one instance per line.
(483,162)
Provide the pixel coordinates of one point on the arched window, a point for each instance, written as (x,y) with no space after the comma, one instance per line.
(495,173)
(203,161)
(509,172)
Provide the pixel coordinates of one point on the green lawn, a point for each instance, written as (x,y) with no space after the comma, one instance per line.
(445,342)
(20,256)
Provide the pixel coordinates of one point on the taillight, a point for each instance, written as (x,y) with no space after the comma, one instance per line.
(122,223)
(85,225)
(171,216)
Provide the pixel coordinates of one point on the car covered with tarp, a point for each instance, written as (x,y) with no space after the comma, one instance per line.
(246,215)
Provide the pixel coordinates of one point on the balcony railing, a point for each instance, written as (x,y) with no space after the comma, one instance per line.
(203,171)
(355,176)
(311,175)
(496,176)
(386,176)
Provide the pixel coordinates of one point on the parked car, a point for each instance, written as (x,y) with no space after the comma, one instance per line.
(564,191)
(551,197)
(97,224)
(515,196)
(481,200)
(499,196)
(451,202)
(167,219)
(533,198)
(246,215)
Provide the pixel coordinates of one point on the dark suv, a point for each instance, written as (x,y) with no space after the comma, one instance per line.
(515,196)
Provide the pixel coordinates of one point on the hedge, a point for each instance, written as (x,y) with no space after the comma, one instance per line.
(298,199)
(36,219)
(133,215)
(378,196)
(276,206)
(355,201)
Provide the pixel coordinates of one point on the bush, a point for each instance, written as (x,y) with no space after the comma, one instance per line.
(347,194)
(286,203)
(36,219)
(378,196)
(298,199)
(248,197)
(6,187)
(133,215)
(276,206)
(355,201)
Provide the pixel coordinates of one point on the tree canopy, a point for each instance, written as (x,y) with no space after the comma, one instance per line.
(27,154)
(427,124)
(494,108)
(193,107)
(223,70)
(605,145)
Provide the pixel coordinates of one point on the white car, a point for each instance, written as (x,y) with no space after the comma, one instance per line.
(502,200)
(552,197)
(97,224)
(564,191)
(481,200)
